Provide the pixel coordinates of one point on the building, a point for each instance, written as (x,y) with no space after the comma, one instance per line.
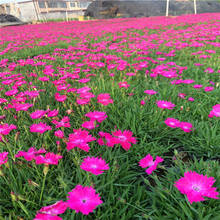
(33,10)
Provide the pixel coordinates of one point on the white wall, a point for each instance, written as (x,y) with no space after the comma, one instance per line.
(27,11)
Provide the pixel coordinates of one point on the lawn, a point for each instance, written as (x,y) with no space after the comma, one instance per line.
(111,119)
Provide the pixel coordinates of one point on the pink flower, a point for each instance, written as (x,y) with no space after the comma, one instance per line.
(188,81)
(32,94)
(198,64)
(50,158)
(11,92)
(44,79)
(182,95)
(107,139)
(3,100)
(123,84)
(142,102)
(191,99)
(22,107)
(209,70)
(87,95)
(185,126)
(208,89)
(79,139)
(30,154)
(83,199)
(215,111)
(52,113)
(197,86)
(124,138)
(211,82)
(130,74)
(5,129)
(94,165)
(43,216)
(82,101)
(150,92)
(63,123)
(104,99)
(83,80)
(40,127)
(96,116)
(55,209)
(83,90)
(38,114)
(148,162)
(89,125)
(59,134)
(3,158)
(165,104)
(196,186)
(172,122)
(60,98)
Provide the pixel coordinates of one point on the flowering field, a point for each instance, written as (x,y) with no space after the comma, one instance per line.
(111,119)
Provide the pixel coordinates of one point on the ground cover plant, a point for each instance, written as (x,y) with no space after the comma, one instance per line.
(111,119)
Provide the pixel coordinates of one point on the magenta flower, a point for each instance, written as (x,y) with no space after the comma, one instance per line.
(52,113)
(123,84)
(87,95)
(182,95)
(38,114)
(59,134)
(83,199)
(165,104)
(215,111)
(30,154)
(107,139)
(188,81)
(208,89)
(79,139)
(142,102)
(124,138)
(3,158)
(150,92)
(185,126)
(191,99)
(97,116)
(50,158)
(172,122)
(148,162)
(40,127)
(3,100)
(83,90)
(55,209)
(32,94)
(43,216)
(83,80)
(89,125)
(104,99)
(22,107)
(197,86)
(209,70)
(5,129)
(94,165)
(60,98)
(196,186)
(63,123)
(82,101)
(11,92)
(43,79)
